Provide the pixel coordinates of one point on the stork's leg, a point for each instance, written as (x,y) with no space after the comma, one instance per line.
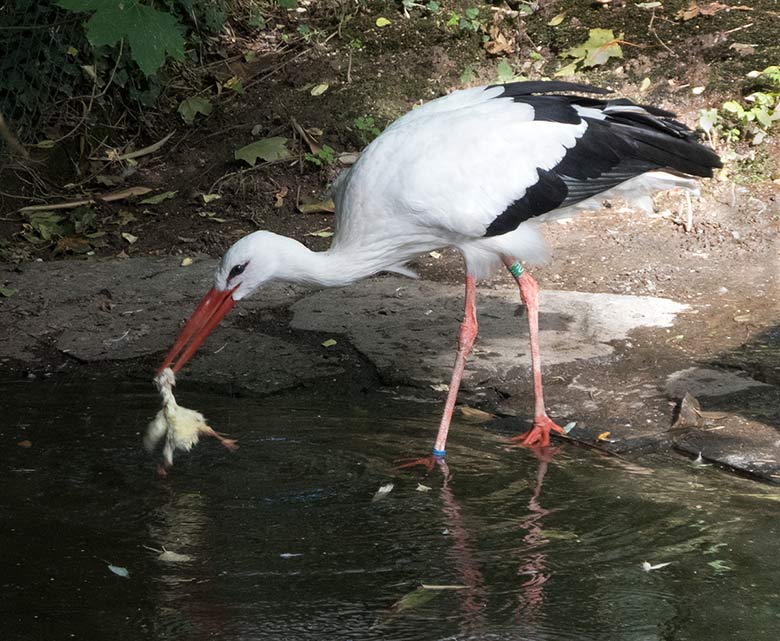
(466,336)
(539,434)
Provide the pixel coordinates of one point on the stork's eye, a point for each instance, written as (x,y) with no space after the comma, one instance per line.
(237,269)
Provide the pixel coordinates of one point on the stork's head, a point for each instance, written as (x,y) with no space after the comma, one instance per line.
(248,264)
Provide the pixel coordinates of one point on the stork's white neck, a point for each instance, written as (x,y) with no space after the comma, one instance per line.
(336,267)
(266,257)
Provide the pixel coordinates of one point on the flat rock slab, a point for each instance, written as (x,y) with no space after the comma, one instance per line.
(408,329)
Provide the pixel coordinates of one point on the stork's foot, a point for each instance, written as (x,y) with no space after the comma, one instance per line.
(428,462)
(539,434)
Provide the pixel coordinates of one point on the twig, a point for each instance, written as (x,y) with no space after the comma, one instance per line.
(349,67)
(122,194)
(652,30)
(140,152)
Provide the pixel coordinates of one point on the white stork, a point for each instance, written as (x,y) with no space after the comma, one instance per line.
(476,170)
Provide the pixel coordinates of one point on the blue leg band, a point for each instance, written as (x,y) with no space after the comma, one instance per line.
(438,453)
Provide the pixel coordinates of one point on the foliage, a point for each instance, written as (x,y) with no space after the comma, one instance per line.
(153,35)
(192,106)
(324,157)
(267,149)
(750,119)
(73,232)
(469,21)
(601,45)
(367,129)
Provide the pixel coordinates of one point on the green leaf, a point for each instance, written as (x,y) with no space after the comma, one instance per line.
(382,22)
(153,35)
(568,70)
(504,71)
(267,149)
(557,20)
(467,76)
(287,4)
(432,6)
(600,46)
(319,89)
(192,106)
(158,198)
(415,599)
(7,292)
(472,13)
(329,343)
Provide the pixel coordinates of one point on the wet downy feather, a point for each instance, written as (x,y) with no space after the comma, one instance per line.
(180,427)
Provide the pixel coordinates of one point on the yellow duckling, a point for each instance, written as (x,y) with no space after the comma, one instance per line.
(180,426)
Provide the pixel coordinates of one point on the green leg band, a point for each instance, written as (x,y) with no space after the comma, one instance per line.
(516,270)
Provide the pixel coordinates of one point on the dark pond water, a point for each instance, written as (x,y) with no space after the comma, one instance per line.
(284,542)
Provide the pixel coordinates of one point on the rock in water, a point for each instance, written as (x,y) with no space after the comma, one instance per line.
(180,427)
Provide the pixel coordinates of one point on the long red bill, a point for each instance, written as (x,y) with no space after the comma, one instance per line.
(212,309)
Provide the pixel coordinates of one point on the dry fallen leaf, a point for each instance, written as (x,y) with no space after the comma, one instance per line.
(603,436)
(25,444)
(475,415)
(186,262)
(129,237)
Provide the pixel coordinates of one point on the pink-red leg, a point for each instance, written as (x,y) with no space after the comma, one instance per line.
(466,336)
(539,434)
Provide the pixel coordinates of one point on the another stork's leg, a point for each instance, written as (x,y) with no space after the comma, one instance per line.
(466,336)
(539,434)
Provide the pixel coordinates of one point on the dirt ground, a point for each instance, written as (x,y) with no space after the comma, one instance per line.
(725,264)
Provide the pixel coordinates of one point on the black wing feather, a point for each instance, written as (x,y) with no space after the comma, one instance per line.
(630,140)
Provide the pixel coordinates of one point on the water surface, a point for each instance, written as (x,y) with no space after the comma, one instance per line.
(285,542)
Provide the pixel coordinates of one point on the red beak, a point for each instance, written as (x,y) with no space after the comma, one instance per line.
(212,309)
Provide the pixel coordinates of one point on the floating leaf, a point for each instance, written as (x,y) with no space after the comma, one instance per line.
(423,488)
(44,144)
(129,237)
(649,568)
(382,22)
(267,149)
(329,343)
(207,198)
(186,262)
(119,571)
(569,427)
(603,436)
(168,556)
(7,292)
(382,492)
(415,599)
(192,106)
(26,444)
(720,566)
(319,89)
(158,198)
(557,19)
